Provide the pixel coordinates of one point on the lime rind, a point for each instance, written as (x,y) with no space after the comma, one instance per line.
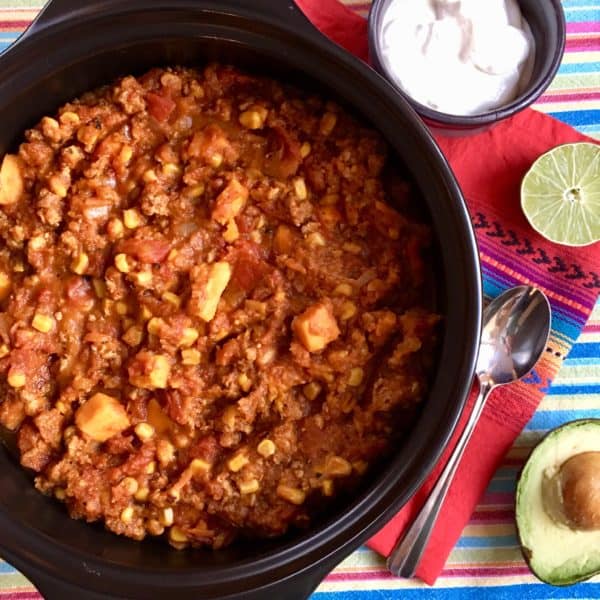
(560,194)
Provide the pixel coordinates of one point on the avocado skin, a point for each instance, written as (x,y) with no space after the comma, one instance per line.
(565,574)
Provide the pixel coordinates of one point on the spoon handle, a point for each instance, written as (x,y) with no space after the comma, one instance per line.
(405,556)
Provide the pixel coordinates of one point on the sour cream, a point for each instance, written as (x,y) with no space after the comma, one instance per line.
(462,57)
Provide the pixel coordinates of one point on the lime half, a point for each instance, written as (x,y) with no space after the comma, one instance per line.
(560,195)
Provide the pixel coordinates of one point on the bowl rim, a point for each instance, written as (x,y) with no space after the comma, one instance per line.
(452,121)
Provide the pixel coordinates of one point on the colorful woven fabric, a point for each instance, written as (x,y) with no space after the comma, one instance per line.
(486,562)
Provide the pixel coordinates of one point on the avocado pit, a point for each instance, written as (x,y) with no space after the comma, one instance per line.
(580,486)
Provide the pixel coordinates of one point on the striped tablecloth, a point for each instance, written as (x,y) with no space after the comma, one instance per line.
(486,562)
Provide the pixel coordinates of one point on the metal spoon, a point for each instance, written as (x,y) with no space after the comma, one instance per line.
(515,331)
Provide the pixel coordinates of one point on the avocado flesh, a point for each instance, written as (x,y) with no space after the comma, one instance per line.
(556,553)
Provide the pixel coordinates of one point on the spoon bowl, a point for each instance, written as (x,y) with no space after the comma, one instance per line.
(514,334)
(515,331)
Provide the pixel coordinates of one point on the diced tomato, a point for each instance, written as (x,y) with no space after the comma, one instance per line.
(160,107)
(250,266)
(147,251)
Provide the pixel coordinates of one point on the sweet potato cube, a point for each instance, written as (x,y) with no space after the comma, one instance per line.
(230,202)
(11,179)
(283,240)
(101,417)
(209,284)
(316,327)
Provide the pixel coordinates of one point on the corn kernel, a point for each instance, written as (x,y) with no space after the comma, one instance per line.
(338,466)
(172,298)
(144,431)
(50,126)
(61,407)
(190,357)
(316,239)
(69,433)
(125,154)
(149,176)
(57,186)
(5,285)
(171,170)
(16,379)
(266,448)
(154,325)
(300,188)
(133,336)
(121,308)
(115,229)
(348,310)
(215,160)
(311,390)
(161,369)
(244,382)
(127,515)
(121,263)
(69,118)
(328,122)
(165,451)
(305,150)
(146,314)
(131,485)
(249,487)
(228,417)
(143,278)
(142,494)
(231,232)
(37,243)
(238,462)
(167,516)
(356,376)
(177,535)
(150,468)
(132,218)
(327,487)
(60,494)
(199,466)
(188,336)
(80,264)
(344,289)
(251,119)
(43,323)
(4,350)
(195,191)
(291,494)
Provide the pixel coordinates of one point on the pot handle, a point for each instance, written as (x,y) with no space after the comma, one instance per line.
(54,11)
(285,11)
(299,586)
(49,586)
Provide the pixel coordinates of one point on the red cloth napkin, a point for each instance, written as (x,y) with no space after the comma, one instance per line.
(489,167)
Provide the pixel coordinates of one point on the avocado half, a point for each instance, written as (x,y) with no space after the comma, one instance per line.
(558,504)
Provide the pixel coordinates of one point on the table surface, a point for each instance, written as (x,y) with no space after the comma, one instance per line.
(486,562)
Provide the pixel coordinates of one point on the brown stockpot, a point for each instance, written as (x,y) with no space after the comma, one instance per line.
(75,46)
